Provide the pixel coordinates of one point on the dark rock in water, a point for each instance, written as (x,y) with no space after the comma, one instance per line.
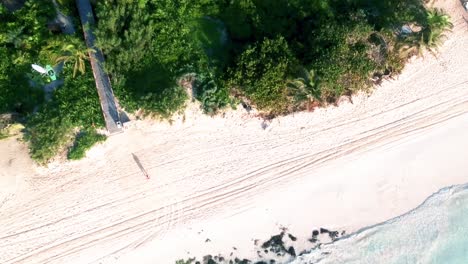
(231,262)
(343,232)
(323,230)
(198,262)
(244,261)
(313,240)
(333,235)
(207,240)
(293,238)
(292,252)
(275,243)
(221,259)
(261,262)
(234,248)
(315,233)
(208,259)
(266,251)
(272,261)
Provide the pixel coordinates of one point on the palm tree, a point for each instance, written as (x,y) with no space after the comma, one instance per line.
(430,37)
(76,54)
(437,23)
(305,86)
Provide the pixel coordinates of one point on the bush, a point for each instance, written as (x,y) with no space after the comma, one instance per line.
(261,73)
(341,58)
(47,132)
(212,94)
(22,35)
(84,141)
(75,104)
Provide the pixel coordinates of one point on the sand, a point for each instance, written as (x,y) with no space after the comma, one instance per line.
(15,166)
(233,178)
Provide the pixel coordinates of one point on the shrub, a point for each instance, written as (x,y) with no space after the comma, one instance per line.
(22,35)
(84,141)
(47,132)
(75,104)
(212,94)
(261,72)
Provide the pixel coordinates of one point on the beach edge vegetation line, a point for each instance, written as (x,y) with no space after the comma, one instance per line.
(278,57)
(83,142)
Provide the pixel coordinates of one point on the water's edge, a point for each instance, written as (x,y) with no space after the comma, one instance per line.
(436,231)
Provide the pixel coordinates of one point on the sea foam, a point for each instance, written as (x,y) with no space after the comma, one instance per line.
(434,232)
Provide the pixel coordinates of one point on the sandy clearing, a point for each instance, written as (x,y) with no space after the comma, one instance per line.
(15,166)
(232,181)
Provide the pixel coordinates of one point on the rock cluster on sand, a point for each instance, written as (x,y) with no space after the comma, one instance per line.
(277,249)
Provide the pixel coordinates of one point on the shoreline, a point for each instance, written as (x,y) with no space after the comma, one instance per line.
(233,180)
(439,211)
(343,210)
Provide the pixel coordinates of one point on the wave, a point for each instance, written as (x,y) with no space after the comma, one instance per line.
(434,232)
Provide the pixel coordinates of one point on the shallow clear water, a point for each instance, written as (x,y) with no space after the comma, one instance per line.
(435,232)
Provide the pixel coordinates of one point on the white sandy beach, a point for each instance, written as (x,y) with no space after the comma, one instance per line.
(229,180)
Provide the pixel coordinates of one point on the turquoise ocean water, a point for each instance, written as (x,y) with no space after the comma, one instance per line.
(434,232)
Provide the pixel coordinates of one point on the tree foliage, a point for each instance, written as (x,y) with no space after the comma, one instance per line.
(22,34)
(261,71)
(255,48)
(75,54)
(83,142)
(75,105)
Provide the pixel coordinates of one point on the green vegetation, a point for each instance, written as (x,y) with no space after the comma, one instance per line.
(84,141)
(77,54)
(4,133)
(26,39)
(279,56)
(22,35)
(75,104)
